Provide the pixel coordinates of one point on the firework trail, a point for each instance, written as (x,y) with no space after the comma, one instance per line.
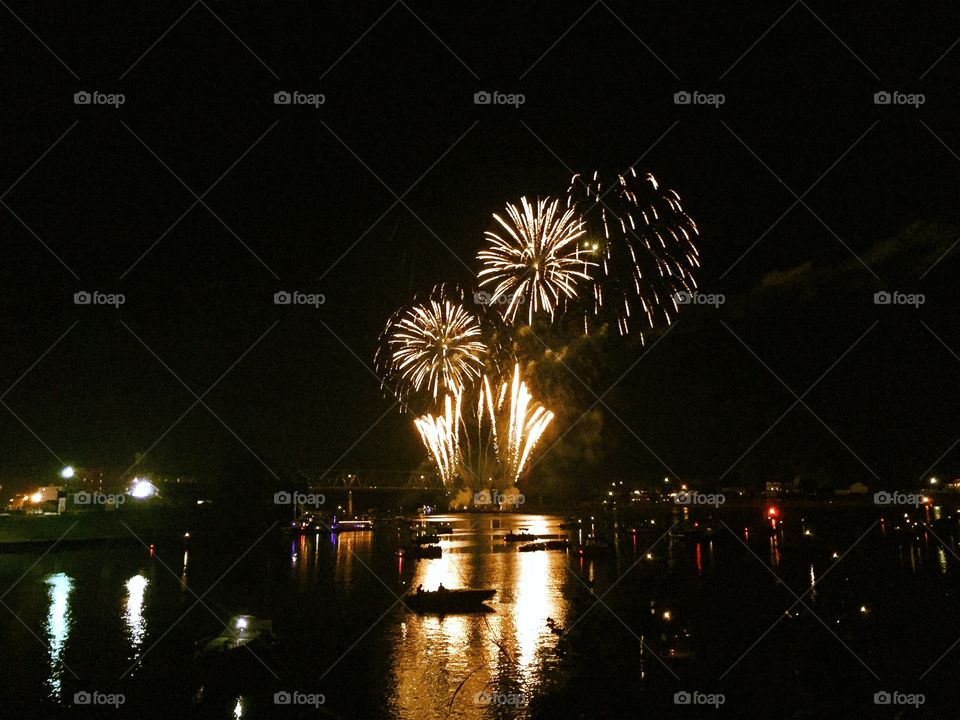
(491,446)
(642,245)
(533,259)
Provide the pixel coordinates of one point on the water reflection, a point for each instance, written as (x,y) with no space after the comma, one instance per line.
(444,666)
(133,613)
(58,627)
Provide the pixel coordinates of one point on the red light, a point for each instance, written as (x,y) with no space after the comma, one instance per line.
(772,511)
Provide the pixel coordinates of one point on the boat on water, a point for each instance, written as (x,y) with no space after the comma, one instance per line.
(421,551)
(425,538)
(524,536)
(443,600)
(544,545)
(241,630)
(339,526)
(694,530)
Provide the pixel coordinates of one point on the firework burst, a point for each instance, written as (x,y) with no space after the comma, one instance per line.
(643,247)
(533,258)
(433,347)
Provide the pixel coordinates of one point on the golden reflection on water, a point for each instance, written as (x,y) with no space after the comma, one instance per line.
(133,613)
(58,627)
(444,666)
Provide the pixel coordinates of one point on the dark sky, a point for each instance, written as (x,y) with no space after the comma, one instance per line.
(306,199)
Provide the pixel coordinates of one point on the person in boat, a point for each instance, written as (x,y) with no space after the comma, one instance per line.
(419,589)
(441,588)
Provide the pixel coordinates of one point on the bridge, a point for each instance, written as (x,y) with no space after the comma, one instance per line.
(368,479)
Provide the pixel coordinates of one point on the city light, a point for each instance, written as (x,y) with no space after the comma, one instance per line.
(142,489)
(67,472)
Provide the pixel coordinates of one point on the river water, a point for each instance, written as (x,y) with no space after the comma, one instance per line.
(122,621)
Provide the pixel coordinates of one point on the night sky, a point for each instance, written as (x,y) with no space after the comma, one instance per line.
(387,188)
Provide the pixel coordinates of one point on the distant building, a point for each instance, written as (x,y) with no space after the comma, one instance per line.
(774,487)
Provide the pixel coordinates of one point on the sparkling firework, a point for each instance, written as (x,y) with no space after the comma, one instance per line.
(492,446)
(535,259)
(642,244)
(433,347)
